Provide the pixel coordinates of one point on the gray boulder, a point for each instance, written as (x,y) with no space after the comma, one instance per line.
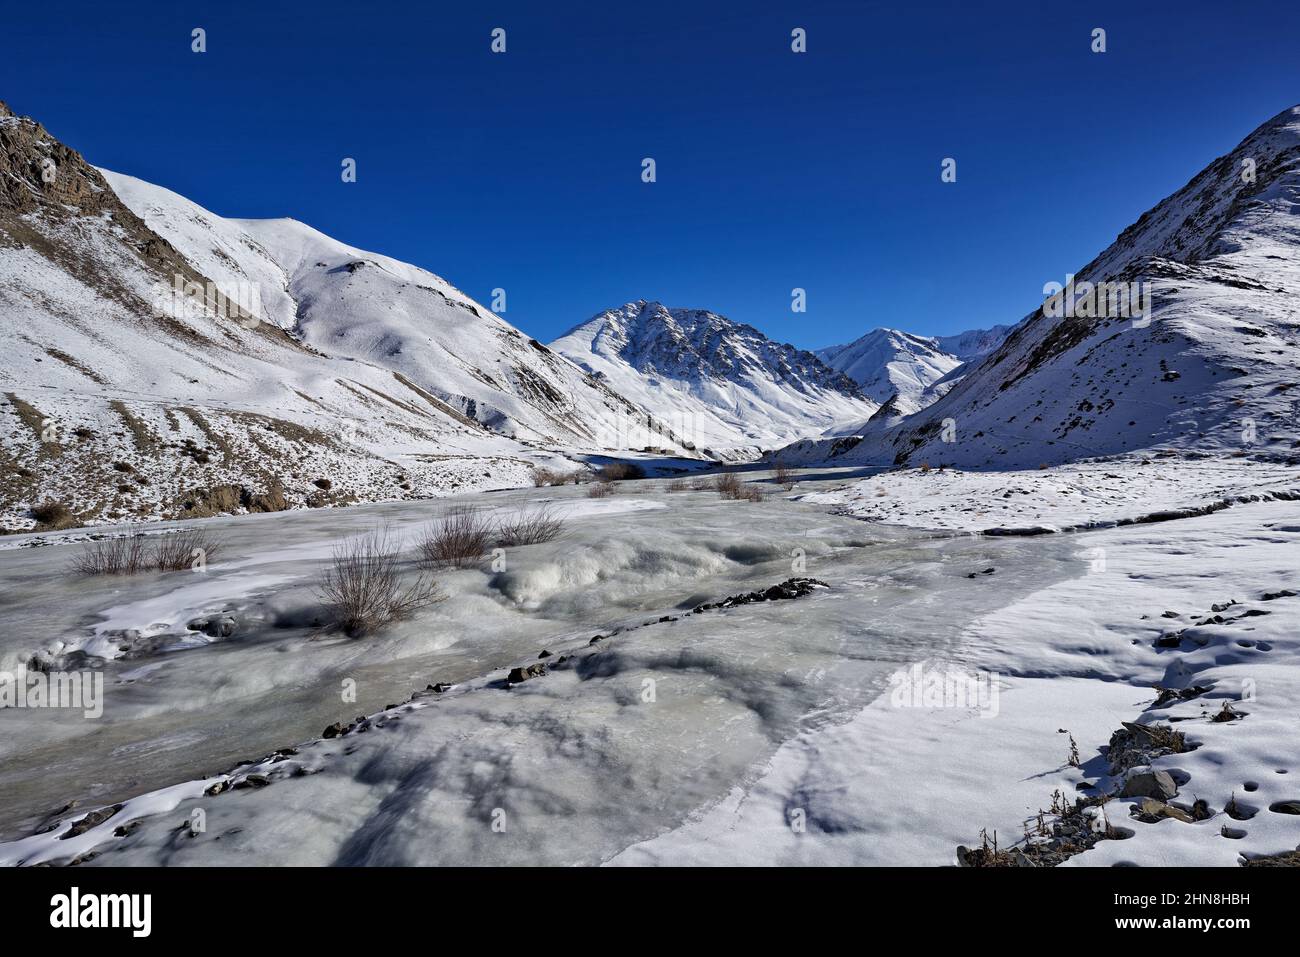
(1153,784)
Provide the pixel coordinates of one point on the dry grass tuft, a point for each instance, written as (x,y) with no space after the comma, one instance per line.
(52,514)
(544,476)
(988,854)
(1164,736)
(727,484)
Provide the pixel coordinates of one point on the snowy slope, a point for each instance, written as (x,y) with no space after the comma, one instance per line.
(1209,367)
(351,377)
(724,384)
(1079,655)
(888,363)
(348,302)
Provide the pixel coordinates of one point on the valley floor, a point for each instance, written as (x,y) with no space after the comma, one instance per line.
(793,731)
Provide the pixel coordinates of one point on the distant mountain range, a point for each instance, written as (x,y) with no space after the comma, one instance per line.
(164,361)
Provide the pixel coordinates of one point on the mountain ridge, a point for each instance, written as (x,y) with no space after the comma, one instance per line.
(892,364)
(132,392)
(733,388)
(1204,367)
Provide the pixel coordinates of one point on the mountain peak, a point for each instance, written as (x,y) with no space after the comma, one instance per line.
(685,343)
(1197,222)
(738,387)
(1288,119)
(893,366)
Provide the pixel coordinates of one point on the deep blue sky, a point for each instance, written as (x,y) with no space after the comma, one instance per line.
(775,170)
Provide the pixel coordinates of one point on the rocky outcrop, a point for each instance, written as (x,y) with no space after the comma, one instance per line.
(786,590)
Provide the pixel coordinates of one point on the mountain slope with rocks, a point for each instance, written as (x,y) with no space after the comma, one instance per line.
(1182,335)
(723,384)
(162,361)
(348,302)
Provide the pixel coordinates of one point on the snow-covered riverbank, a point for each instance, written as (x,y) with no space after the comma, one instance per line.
(1085,494)
(906,785)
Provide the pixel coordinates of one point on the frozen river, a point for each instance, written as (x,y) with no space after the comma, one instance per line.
(637,734)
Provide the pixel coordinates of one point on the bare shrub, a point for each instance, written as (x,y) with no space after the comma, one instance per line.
(600,490)
(543,476)
(460,538)
(676,485)
(727,485)
(179,551)
(620,472)
(925,467)
(132,553)
(701,483)
(121,555)
(363,585)
(529,526)
(782,475)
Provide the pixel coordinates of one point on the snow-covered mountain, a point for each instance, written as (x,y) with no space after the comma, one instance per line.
(888,363)
(904,372)
(1184,333)
(347,302)
(161,360)
(973,343)
(722,384)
